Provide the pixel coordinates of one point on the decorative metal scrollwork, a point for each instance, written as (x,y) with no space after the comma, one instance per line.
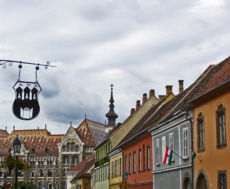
(26,105)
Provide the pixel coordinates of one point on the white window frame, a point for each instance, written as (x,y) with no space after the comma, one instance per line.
(185,143)
(171,143)
(157,150)
(163,147)
(148,157)
(139,160)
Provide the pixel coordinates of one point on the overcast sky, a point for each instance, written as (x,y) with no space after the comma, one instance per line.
(137,45)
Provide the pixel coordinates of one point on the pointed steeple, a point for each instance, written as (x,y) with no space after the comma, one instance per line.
(111,115)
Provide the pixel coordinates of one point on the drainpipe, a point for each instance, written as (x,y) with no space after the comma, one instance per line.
(191,122)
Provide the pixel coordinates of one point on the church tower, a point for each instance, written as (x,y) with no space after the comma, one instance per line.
(111,115)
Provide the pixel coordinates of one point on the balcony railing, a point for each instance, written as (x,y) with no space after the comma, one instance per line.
(102,161)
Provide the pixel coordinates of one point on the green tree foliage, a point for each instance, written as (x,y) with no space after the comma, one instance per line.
(11,163)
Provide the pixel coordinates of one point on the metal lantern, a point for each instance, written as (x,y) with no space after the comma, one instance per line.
(17,145)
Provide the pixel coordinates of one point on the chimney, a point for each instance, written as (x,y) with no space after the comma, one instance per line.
(151,93)
(132,111)
(161,97)
(138,104)
(144,98)
(181,86)
(168,89)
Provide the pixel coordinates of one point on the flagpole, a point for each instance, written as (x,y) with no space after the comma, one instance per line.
(177,154)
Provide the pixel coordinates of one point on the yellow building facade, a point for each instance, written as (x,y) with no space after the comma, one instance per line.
(116,169)
(212,133)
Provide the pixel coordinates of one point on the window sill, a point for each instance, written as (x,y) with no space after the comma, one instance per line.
(221,146)
(185,157)
(200,150)
(157,164)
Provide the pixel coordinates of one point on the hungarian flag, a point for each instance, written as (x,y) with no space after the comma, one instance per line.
(193,154)
(168,156)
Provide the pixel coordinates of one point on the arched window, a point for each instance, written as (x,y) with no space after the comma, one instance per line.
(32,174)
(68,147)
(49,173)
(201,182)
(64,148)
(76,148)
(40,185)
(75,160)
(40,173)
(200,133)
(65,160)
(49,185)
(72,147)
(187,184)
(220,126)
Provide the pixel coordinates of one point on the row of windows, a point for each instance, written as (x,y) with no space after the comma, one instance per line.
(185,146)
(70,160)
(143,160)
(102,152)
(48,162)
(116,168)
(102,174)
(70,147)
(41,173)
(220,129)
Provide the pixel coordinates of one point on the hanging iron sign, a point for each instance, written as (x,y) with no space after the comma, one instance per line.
(26,105)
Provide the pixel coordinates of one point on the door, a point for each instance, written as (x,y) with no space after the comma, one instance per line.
(201,182)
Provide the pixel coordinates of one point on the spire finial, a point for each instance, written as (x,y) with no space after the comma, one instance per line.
(70,123)
(111,115)
(111,87)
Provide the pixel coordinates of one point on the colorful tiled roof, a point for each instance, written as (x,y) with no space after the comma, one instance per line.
(91,132)
(35,141)
(3,132)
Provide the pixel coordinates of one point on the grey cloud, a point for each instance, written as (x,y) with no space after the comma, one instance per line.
(135,44)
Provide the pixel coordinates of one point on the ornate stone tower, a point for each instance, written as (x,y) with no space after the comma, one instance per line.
(111,115)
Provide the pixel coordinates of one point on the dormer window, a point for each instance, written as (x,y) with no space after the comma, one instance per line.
(46,149)
(33,150)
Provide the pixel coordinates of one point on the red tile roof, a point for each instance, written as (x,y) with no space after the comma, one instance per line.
(35,141)
(83,167)
(91,132)
(3,132)
(219,75)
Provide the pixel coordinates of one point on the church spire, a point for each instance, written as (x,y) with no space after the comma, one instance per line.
(111,115)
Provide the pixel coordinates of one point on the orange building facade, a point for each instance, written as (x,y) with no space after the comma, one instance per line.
(138,164)
(212,131)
